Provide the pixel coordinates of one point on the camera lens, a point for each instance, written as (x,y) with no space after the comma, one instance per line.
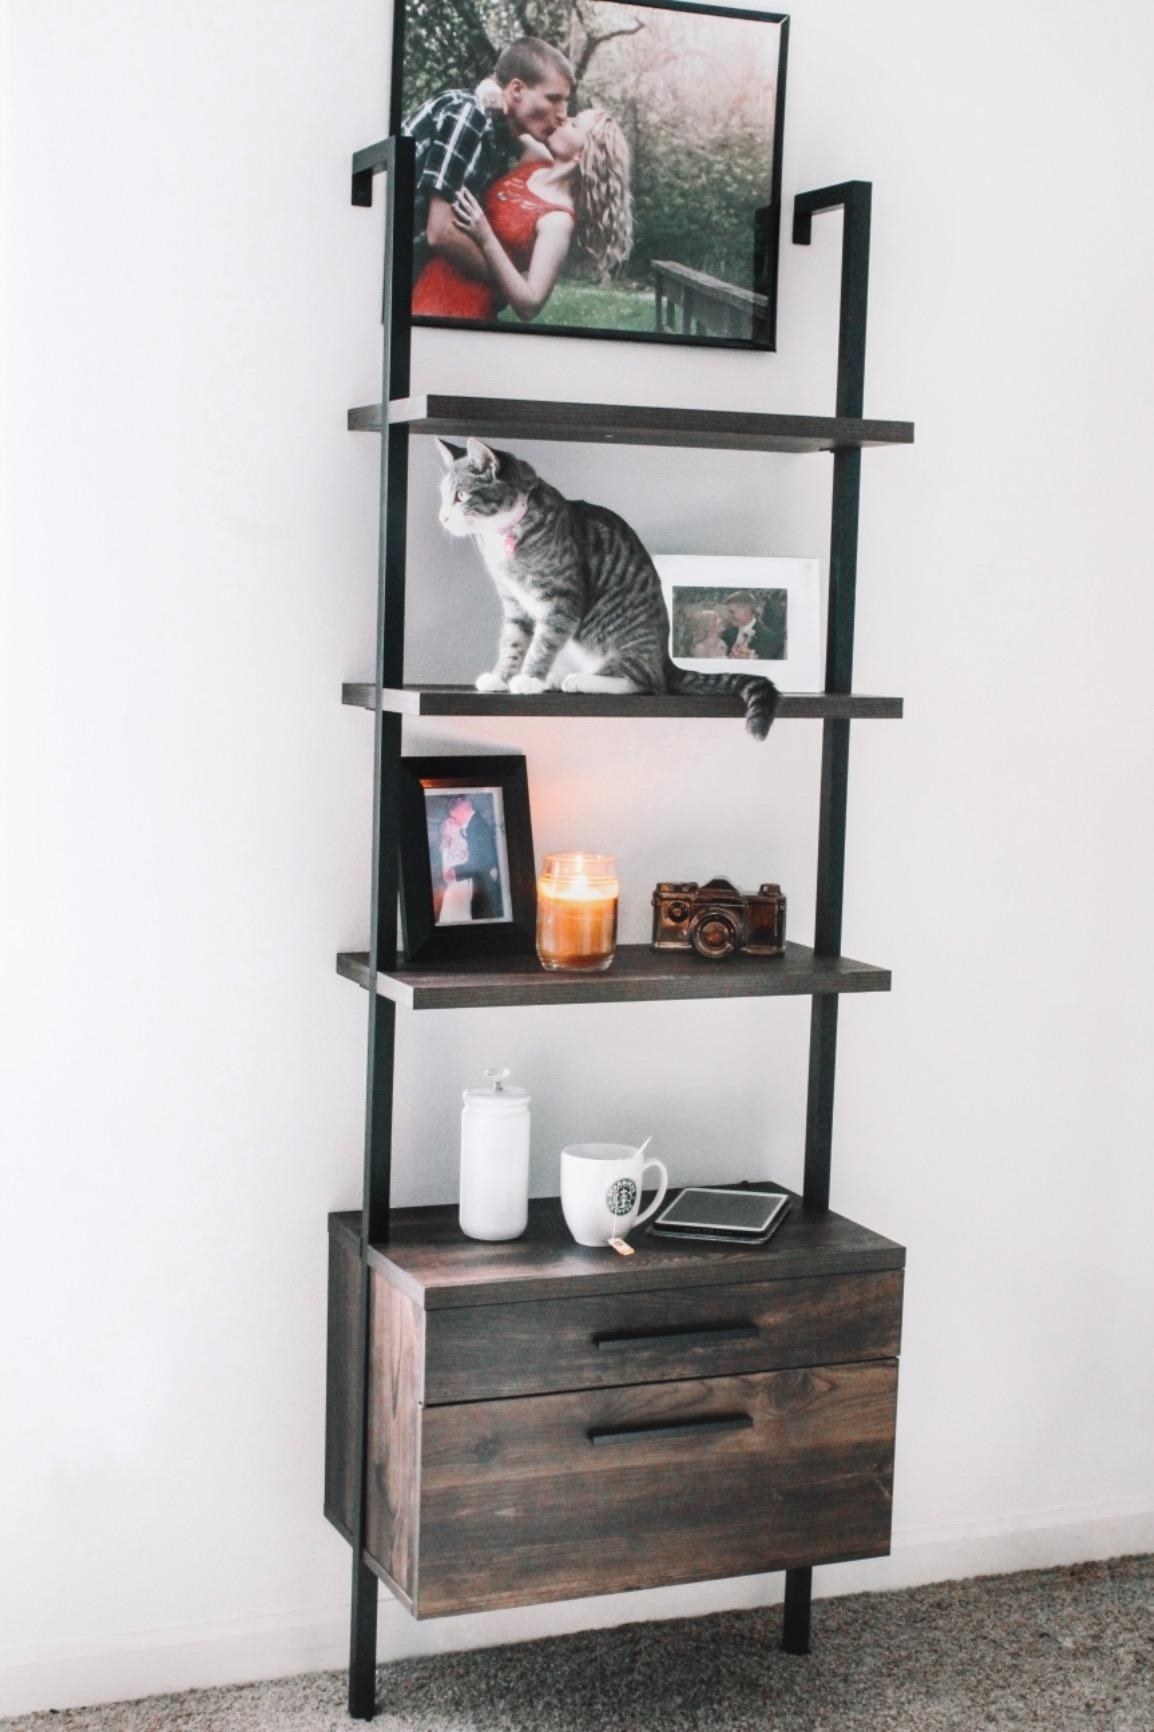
(714,932)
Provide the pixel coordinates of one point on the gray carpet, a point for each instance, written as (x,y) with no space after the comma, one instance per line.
(1067,1650)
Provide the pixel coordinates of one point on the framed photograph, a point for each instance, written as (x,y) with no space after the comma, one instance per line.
(594,168)
(759,616)
(468,884)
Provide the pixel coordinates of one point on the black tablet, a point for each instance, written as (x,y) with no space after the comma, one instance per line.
(701,1209)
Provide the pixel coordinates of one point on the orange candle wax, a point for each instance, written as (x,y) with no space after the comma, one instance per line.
(577,911)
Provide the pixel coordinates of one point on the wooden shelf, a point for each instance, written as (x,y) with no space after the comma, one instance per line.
(465,701)
(431,1260)
(617,424)
(638,974)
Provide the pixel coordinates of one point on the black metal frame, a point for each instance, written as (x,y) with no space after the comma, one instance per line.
(854,197)
(394,157)
(767,219)
(516,934)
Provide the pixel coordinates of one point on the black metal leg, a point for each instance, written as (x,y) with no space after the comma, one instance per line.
(795,1617)
(363,1644)
(819,1104)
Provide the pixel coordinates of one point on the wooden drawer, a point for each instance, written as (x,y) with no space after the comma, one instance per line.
(477,1352)
(552,1497)
(535,1418)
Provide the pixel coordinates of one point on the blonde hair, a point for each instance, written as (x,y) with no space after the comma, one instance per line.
(604,225)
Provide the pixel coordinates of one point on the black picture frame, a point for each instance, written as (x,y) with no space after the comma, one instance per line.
(678,300)
(507,926)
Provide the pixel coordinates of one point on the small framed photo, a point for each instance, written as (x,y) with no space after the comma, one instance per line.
(744,615)
(468,886)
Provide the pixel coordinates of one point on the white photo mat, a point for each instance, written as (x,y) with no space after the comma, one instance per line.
(797,614)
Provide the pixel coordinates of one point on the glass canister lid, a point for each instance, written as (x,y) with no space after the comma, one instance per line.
(497,1095)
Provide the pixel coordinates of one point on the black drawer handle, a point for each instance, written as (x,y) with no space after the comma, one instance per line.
(676,1428)
(696,1337)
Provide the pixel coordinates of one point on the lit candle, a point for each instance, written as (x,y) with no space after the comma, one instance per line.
(577,911)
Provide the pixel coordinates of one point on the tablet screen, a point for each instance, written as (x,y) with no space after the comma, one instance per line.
(735,1211)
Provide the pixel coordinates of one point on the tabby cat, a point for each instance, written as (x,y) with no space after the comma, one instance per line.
(574,575)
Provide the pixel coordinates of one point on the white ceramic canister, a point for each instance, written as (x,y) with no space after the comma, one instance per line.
(495,1159)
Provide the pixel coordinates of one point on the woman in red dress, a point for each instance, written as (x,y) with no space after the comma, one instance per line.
(528,221)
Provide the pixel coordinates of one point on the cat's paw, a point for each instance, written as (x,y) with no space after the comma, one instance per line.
(527,685)
(605,685)
(491,683)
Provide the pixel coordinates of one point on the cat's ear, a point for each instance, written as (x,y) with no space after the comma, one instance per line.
(482,459)
(449,453)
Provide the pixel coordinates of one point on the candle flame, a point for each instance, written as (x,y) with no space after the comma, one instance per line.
(585,878)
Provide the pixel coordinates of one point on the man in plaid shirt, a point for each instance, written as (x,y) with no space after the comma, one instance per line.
(461,143)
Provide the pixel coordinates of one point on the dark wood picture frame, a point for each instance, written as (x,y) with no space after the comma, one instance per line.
(677,300)
(516,935)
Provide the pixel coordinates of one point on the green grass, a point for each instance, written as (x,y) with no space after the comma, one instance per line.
(595,307)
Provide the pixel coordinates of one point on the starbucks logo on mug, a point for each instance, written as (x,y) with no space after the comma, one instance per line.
(621,1196)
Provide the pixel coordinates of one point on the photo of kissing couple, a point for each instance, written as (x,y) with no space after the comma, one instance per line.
(620,183)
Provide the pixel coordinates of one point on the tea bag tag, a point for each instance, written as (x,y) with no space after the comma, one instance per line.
(621,1248)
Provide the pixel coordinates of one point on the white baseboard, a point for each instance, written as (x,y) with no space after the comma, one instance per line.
(1043,1540)
(156,1662)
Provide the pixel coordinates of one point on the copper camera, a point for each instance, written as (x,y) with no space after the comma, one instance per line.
(716,920)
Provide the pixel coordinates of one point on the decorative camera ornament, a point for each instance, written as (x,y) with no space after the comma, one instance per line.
(717,920)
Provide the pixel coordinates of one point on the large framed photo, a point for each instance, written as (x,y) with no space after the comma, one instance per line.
(744,615)
(468,887)
(594,168)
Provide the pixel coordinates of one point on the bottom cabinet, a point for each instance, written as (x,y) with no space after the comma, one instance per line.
(556,1496)
(641,1436)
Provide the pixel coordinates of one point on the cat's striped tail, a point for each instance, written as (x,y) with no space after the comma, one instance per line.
(760,695)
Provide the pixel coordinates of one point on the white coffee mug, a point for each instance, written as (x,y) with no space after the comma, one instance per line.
(601,1185)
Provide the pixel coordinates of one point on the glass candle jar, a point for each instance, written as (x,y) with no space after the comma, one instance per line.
(577,911)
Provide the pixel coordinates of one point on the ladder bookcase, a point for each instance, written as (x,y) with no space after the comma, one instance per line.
(752,1394)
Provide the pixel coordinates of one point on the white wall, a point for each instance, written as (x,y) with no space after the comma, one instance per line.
(194,304)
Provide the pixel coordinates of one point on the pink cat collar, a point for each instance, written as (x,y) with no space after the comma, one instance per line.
(509,540)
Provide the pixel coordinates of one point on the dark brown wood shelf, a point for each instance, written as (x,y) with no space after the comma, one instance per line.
(432,1261)
(638,973)
(621,424)
(465,701)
